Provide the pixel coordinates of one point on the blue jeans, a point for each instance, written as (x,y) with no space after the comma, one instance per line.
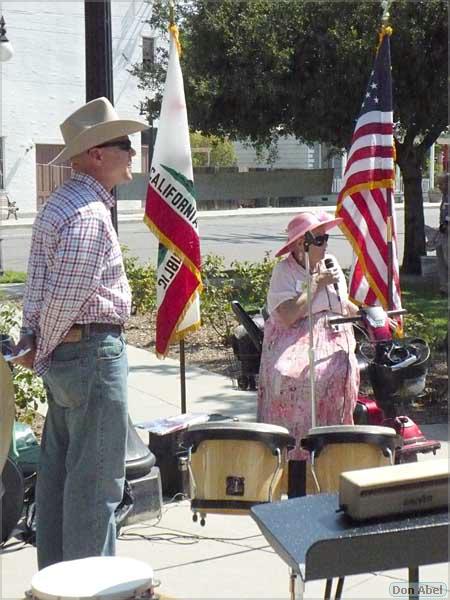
(82,466)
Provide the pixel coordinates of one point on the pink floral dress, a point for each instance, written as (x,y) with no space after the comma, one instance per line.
(284,383)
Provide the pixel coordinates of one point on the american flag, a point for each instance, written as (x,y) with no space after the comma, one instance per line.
(366,198)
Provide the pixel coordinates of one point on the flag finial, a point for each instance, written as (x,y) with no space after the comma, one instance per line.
(386,5)
(386,29)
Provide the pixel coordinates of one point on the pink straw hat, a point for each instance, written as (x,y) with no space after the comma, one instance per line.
(304,222)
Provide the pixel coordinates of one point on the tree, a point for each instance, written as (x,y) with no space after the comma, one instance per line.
(215,151)
(260,69)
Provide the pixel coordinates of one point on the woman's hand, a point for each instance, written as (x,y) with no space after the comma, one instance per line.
(350,309)
(326,277)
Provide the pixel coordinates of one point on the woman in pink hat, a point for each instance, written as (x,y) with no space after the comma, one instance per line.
(284,384)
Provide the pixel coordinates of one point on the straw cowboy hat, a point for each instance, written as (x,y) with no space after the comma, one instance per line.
(303,222)
(91,125)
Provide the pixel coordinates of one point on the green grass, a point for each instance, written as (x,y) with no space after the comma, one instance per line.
(13,277)
(427,311)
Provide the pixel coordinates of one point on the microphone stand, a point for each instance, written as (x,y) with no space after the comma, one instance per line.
(307,243)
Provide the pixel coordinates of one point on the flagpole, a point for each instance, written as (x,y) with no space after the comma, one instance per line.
(390,278)
(389,196)
(311,353)
(182,353)
(182,378)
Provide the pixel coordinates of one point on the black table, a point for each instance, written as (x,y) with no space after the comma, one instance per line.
(319,543)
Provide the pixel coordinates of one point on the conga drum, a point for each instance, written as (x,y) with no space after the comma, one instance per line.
(339,448)
(233,465)
(97,577)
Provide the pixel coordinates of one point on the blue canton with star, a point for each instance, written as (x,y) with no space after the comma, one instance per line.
(378,95)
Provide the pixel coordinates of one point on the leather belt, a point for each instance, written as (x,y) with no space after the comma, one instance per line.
(81,331)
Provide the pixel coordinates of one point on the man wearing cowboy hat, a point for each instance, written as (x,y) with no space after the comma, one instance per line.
(77,299)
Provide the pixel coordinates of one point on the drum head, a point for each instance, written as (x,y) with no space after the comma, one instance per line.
(319,437)
(99,577)
(273,436)
(330,430)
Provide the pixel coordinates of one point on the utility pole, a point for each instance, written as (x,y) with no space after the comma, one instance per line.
(99,69)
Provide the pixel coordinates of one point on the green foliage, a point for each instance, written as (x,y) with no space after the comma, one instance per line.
(260,70)
(252,281)
(218,291)
(427,315)
(13,277)
(221,152)
(142,280)
(246,282)
(28,387)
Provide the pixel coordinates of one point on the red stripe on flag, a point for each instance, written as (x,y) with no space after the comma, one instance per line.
(367,176)
(365,209)
(371,129)
(171,309)
(379,196)
(174,227)
(370,152)
(360,241)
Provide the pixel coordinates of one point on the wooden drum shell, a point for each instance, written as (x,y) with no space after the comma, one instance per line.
(236,465)
(367,447)
(217,460)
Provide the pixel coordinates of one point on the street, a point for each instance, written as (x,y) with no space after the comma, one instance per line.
(234,236)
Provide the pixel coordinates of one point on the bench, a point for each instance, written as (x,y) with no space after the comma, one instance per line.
(7,206)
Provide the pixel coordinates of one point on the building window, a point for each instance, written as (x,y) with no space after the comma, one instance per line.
(2,163)
(148,52)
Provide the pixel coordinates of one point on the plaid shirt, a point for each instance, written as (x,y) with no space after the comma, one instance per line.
(75,270)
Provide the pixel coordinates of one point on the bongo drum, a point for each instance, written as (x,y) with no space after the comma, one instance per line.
(339,448)
(233,465)
(97,577)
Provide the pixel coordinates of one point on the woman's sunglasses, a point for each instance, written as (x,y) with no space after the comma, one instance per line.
(124,145)
(320,240)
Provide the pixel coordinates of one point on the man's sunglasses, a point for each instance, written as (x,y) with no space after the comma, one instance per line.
(125,145)
(320,240)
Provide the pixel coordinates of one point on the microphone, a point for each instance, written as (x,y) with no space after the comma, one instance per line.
(329,265)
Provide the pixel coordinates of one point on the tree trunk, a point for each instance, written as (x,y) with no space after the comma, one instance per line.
(411,169)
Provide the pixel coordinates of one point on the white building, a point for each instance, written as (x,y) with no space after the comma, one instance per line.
(45,81)
(290,154)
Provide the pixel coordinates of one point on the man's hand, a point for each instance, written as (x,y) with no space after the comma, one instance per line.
(27,360)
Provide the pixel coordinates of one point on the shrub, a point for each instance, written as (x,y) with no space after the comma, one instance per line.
(28,387)
(245,281)
(218,291)
(142,280)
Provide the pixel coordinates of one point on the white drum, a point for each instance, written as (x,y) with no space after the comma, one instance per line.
(97,577)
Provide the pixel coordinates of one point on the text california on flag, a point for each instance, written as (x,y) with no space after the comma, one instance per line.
(172,214)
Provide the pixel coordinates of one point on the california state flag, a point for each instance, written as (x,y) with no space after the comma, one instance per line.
(171,214)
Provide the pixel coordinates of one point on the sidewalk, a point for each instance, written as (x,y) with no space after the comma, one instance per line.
(228,558)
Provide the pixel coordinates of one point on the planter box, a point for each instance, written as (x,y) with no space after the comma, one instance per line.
(434,196)
(428,266)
